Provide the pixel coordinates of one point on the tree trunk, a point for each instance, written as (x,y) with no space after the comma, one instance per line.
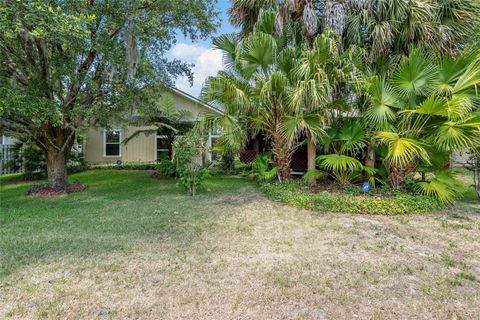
(281,156)
(56,168)
(311,155)
(396,177)
(56,149)
(370,157)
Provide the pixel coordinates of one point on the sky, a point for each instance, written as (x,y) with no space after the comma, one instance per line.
(207,60)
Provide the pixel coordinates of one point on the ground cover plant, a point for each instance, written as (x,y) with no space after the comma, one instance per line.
(132,246)
(297,194)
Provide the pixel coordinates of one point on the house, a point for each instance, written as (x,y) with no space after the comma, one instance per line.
(105,145)
(6,144)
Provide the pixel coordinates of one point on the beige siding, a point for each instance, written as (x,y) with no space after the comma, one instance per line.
(141,148)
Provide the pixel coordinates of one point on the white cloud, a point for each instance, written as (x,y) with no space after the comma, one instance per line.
(207,63)
(186,51)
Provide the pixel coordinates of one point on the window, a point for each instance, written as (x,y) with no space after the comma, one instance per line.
(112,143)
(163,145)
(211,145)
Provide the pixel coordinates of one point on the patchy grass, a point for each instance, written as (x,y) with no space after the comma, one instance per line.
(135,247)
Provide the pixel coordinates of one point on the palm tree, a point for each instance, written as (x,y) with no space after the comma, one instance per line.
(272,87)
(424,108)
(389,27)
(318,74)
(245,13)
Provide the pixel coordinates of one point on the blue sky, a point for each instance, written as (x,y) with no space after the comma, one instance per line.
(207,61)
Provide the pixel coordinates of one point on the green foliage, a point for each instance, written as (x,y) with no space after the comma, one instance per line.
(137,165)
(226,155)
(166,168)
(341,167)
(275,85)
(27,156)
(315,174)
(262,168)
(75,63)
(442,186)
(189,150)
(293,194)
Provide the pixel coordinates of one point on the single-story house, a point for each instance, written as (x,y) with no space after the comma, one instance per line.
(105,145)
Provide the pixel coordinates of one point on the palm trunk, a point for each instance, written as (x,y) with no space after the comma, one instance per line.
(311,155)
(370,157)
(281,156)
(396,177)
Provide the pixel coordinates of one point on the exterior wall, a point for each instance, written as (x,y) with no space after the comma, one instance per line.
(143,147)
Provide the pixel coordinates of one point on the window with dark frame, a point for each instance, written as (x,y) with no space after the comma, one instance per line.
(162,147)
(112,143)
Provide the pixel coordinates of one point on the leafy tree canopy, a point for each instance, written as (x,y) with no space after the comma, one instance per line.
(68,64)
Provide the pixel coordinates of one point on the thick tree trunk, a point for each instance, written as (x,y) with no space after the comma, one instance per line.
(56,168)
(311,155)
(56,149)
(370,156)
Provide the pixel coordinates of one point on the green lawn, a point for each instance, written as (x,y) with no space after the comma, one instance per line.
(135,247)
(117,208)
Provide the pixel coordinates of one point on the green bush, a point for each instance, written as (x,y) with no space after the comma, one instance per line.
(27,156)
(293,194)
(189,149)
(166,168)
(125,166)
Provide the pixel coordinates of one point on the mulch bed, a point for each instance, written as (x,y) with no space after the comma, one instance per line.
(43,190)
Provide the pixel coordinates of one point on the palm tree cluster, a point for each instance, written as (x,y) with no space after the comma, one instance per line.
(385,89)
(277,86)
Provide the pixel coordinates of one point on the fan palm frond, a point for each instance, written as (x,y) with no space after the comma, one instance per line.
(458,135)
(382,101)
(402,151)
(442,187)
(353,137)
(415,76)
(315,174)
(341,166)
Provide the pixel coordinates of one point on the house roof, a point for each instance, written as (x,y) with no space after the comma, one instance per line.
(193,99)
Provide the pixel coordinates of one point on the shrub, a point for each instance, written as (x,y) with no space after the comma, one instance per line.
(166,168)
(262,168)
(293,194)
(126,166)
(188,150)
(27,156)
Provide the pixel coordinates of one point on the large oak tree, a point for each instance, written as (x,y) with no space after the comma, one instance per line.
(65,65)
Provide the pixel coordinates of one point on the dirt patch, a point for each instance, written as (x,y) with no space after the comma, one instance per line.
(46,191)
(326,186)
